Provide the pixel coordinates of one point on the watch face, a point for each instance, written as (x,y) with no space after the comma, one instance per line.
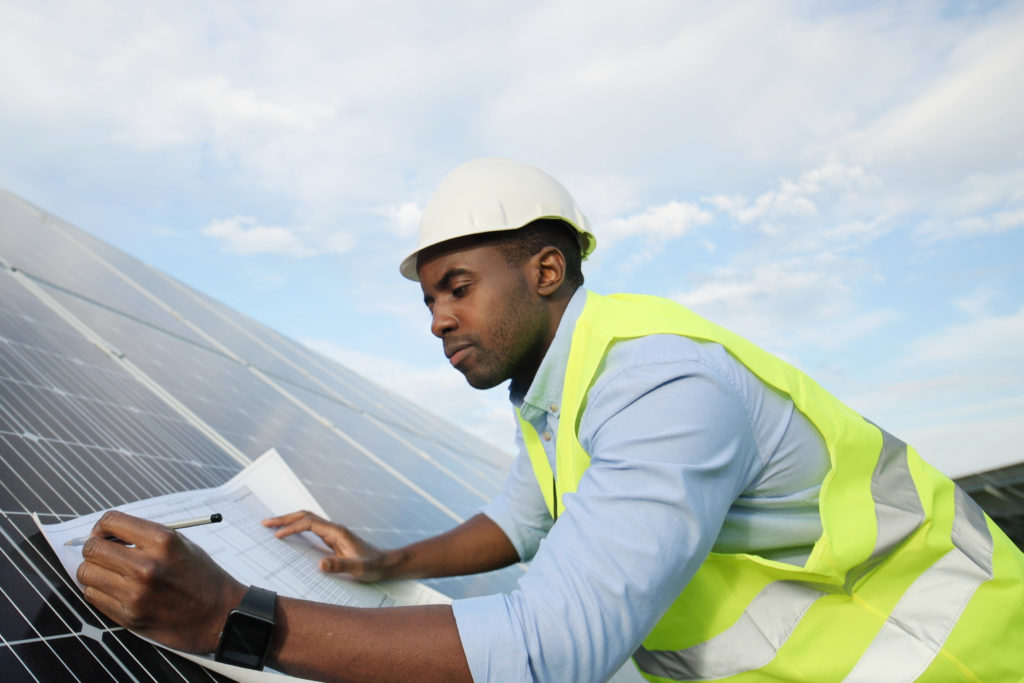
(246,640)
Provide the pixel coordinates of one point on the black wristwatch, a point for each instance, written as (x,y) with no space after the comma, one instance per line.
(248,630)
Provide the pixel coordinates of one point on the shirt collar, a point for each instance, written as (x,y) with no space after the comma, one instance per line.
(545,392)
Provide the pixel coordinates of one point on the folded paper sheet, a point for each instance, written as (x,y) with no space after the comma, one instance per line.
(248,550)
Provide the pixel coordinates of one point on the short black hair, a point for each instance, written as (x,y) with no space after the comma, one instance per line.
(519,245)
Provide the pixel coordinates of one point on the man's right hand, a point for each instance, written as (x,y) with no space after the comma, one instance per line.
(353,556)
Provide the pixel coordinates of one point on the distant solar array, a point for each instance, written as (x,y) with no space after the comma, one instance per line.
(1000,492)
(119,383)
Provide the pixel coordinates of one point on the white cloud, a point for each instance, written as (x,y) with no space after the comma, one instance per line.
(338,243)
(243,235)
(974,205)
(216,98)
(403,218)
(784,304)
(978,193)
(967,119)
(804,281)
(831,182)
(956,393)
(340,115)
(603,196)
(706,97)
(661,222)
(975,303)
(938,229)
(993,341)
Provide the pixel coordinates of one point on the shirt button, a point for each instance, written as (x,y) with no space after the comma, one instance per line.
(546,436)
(554,407)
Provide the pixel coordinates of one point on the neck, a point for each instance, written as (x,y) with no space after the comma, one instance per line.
(556,304)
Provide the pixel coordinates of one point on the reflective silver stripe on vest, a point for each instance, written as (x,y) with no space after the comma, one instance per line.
(750,643)
(773,615)
(917,629)
(898,508)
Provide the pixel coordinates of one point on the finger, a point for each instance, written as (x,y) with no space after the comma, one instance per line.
(321,528)
(108,592)
(131,530)
(112,555)
(281,520)
(100,578)
(110,605)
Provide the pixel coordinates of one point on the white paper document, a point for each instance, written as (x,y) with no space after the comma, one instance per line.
(248,550)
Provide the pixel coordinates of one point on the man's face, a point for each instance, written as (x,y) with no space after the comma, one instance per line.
(492,323)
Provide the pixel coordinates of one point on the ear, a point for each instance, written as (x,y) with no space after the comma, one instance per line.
(550,270)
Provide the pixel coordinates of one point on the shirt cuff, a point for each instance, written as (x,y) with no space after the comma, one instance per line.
(494,649)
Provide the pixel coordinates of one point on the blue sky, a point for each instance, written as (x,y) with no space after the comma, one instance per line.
(841,183)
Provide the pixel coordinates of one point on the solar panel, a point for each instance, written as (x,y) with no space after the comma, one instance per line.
(274,354)
(1000,493)
(118,383)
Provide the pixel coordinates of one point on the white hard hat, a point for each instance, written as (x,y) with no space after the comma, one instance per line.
(489,195)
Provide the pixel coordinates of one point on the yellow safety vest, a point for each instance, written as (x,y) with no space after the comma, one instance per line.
(909,580)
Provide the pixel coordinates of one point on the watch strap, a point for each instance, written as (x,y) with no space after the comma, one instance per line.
(259,602)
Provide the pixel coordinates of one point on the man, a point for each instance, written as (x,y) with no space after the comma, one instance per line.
(703,506)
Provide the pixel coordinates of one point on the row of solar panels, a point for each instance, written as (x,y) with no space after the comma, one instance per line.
(1000,492)
(119,383)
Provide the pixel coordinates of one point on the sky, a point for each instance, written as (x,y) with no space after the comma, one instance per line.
(842,183)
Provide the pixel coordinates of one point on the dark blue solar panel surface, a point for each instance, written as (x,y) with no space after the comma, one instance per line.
(272,353)
(80,431)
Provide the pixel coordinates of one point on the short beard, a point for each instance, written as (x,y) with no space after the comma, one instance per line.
(520,329)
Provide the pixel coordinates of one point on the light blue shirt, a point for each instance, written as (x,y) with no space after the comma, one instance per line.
(690,452)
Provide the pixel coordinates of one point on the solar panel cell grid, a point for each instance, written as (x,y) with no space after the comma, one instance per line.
(46,251)
(255,416)
(56,410)
(402,413)
(259,345)
(81,429)
(49,633)
(282,358)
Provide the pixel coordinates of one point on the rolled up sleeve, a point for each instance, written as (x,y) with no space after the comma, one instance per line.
(519,509)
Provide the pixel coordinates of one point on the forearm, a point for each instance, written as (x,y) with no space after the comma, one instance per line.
(476,545)
(329,642)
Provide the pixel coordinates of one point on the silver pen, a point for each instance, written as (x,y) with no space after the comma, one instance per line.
(185,523)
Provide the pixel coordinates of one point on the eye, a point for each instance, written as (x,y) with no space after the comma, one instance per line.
(460,291)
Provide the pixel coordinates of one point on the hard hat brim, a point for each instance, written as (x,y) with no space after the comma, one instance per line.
(409,265)
(494,195)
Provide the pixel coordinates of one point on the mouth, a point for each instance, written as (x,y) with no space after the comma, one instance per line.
(457,352)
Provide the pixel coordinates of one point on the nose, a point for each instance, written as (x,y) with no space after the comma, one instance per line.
(443,321)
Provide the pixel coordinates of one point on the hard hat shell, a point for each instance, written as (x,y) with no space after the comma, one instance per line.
(489,195)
